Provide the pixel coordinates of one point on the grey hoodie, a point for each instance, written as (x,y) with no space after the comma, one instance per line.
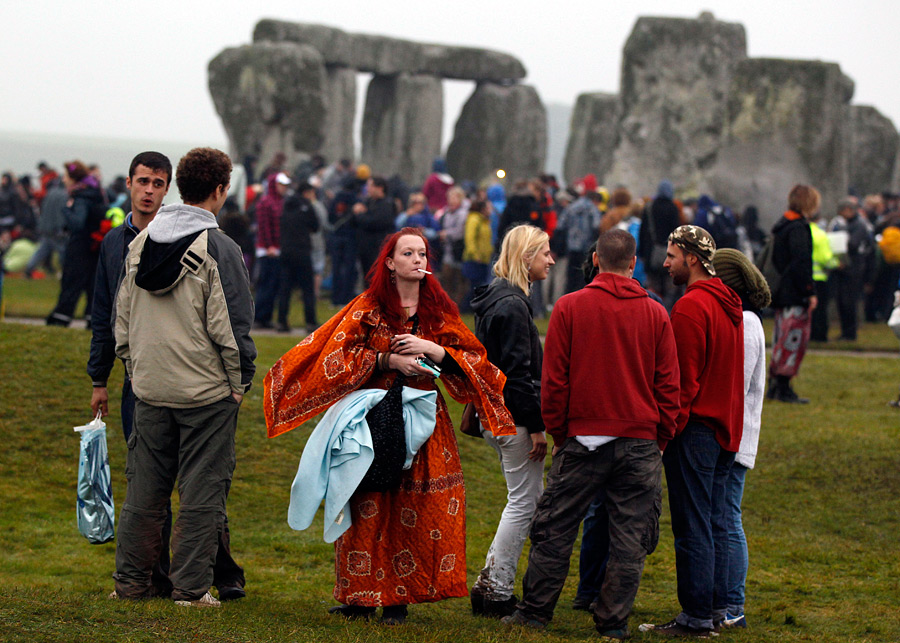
(174,222)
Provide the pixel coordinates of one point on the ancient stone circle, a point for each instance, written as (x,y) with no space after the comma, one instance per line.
(294,90)
(692,108)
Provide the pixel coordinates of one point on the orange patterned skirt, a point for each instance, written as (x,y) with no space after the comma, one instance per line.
(409,545)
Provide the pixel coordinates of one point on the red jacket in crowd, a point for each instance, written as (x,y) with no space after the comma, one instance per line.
(610,364)
(709,332)
(268,216)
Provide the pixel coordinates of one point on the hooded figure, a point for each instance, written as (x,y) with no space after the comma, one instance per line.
(436,185)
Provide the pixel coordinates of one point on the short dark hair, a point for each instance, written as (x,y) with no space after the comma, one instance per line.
(200,172)
(615,250)
(153,161)
(380,182)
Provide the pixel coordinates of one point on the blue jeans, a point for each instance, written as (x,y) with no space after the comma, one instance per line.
(47,245)
(267,282)
(343,268)
(697,470)
(738,560)
(594,550)
(478,274)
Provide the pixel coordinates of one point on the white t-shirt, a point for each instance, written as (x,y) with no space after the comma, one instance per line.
(594,442)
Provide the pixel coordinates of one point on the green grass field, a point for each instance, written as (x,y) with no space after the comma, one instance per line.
(820,513)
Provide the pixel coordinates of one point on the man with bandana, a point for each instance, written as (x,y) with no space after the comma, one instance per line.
(708,326)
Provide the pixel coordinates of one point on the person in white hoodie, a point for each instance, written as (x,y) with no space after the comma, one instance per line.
(739,274)
(182,326)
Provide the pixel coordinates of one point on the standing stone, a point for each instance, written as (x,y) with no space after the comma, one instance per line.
(271,98)
(675,75)
(500,127)
(592,136)
(559,120)
(401,132)
(385,56)
(340,101)
(874,144)
(895,181)
(787,124)
(335,45)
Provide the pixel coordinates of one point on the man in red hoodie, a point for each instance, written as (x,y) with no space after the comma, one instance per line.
(609,398)
(708,325)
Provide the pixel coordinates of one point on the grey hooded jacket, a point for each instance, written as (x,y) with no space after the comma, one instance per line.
(184,311)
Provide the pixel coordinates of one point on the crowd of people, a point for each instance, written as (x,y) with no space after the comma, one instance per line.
(335,217)
(654,361)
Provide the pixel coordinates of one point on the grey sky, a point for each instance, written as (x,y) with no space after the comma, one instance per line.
(138,69)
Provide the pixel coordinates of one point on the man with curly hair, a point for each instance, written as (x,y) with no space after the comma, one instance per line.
(183,317)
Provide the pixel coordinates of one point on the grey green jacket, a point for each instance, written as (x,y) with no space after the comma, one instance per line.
(184,311)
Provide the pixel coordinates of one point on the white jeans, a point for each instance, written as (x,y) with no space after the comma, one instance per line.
(525,484)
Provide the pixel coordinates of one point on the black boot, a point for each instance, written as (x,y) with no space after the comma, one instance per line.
(772,391)
(394,615)
(352,612)
(476,595)
(786,393)
(499,609)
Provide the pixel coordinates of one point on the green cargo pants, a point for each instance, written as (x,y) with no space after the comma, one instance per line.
(196,448)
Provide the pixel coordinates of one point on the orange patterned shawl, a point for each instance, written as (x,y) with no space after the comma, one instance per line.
(407,545)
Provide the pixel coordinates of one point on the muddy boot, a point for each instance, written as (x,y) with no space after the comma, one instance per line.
(499,609)
(476,595)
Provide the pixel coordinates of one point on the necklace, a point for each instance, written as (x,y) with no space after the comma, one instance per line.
(407,308)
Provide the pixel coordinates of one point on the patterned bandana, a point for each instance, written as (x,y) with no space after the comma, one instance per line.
(698,242)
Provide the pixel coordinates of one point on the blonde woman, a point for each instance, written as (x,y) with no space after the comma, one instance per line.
(504,324)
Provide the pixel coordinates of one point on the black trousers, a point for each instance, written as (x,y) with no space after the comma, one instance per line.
(819,332)
(294,273)
(847,292)
(79,267)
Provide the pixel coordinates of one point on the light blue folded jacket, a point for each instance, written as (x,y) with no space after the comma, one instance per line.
(339,452)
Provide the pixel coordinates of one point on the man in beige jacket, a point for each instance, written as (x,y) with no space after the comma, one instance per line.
(183,317)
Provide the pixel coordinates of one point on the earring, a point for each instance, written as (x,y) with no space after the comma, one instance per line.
(393,277)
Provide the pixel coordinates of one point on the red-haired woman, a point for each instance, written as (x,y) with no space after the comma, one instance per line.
(406,545)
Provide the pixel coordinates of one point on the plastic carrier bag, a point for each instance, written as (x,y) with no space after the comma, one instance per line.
(95,507)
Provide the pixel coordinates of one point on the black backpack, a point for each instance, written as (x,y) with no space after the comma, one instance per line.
(766,264)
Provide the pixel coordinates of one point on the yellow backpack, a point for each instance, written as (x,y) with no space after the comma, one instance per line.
(890,244)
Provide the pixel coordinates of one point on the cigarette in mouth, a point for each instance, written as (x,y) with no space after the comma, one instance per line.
(425,271)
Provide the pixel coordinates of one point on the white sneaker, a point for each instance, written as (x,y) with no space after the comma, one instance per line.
(113,595)
(206,600)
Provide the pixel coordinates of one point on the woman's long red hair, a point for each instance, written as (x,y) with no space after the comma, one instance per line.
(433,301)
